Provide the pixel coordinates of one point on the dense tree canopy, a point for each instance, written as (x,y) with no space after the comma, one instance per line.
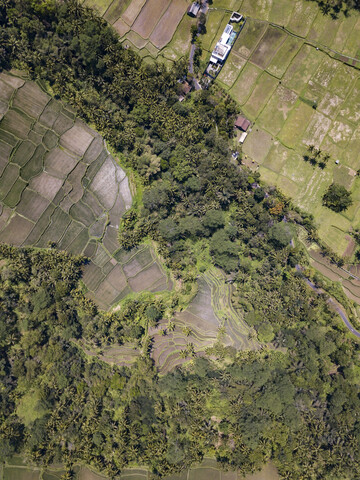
(295,401)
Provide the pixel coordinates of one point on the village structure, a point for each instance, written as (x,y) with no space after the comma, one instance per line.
(224,45)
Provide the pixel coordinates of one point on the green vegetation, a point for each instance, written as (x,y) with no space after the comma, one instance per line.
(294,401)
(337,198)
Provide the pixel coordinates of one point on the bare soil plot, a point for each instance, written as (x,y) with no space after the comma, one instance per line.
(302,17)
(77,139)
(245,83)
(31,99)
(149,16)
(57,162)
(268,46)
(130,14)
(167,25)
(110,239)
(180,43)
(104,188)
(259,97)
(121,27)
(6,91)
(277,110)
(50,113)
(117,278)
(58,224)
(79,243)
(284,56)
(16,230)
(38,205)
(46,185)
(62,124)
(146,278)
(138,263)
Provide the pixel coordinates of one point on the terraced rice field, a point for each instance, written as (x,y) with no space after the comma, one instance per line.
(208,469)
(297,92)
(58,184)
(149,26)
(207,315)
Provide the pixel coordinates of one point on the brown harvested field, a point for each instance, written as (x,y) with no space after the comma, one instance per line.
(168,23)
(121,27)
(16,231)
(117,278)
(149,16)
(31,99)
(92,276)
(78,138)
(146,278)
(59,163)
(133,10)
(87,474)
(46,185)
(103,185)
(16,124)
(6,91)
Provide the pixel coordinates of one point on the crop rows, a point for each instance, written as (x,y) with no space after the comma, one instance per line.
(59,185)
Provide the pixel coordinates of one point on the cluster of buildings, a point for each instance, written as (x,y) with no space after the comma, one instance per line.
(196,7)
(224,45)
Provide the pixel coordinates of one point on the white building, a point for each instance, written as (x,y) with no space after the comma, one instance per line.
(223,47)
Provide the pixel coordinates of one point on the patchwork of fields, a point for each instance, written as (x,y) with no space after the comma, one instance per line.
(210,317)
(58,184)
(297,93)
(154,28)
(207,470)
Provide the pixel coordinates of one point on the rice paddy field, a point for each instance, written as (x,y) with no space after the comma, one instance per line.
(59,185)
(295,75)
(210,317)
(207,470)
(288,59)
(154,28)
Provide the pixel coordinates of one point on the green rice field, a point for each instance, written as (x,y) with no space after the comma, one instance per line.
(297,92)
(207,470)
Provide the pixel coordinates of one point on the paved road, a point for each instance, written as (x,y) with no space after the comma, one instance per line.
(336,306)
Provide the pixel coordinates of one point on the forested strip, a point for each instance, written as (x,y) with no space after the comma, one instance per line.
(297,405)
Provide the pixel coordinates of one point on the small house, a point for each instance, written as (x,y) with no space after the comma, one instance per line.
(193,10)
(242,123)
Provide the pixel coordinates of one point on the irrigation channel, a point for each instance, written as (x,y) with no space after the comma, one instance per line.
(334,304)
